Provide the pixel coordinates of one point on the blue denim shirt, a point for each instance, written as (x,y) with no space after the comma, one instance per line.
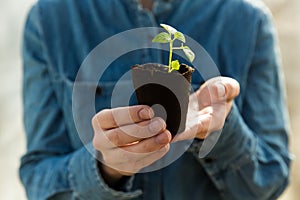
(251,158)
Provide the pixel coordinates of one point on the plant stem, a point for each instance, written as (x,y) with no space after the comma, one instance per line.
(170,56)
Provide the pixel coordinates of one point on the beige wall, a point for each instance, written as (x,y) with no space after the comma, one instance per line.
(287,19)
(12,142)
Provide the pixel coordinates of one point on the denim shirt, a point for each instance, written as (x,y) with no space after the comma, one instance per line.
(251,158)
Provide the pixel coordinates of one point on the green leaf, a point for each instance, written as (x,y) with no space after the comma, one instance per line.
(179,36)
(189,53)
(162,38)
(169,28)
(175,65)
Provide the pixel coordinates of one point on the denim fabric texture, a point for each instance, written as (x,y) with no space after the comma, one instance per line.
(251,159)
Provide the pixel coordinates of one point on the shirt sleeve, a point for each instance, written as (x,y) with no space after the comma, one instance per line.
(251,159)
(51,168)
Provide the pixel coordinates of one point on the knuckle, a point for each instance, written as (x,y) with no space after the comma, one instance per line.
(114,136)
(98,117)
(237,88)
(156,125)
(95,122)
(96,142)
(101,114)
(104,112)
(161,121)
(140,132)
(232,88)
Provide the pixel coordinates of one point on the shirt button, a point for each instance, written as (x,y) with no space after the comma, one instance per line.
(98,90)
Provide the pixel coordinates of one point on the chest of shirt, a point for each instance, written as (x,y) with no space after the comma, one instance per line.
(83,26)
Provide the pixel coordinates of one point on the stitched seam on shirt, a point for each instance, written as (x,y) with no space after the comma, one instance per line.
(72,179)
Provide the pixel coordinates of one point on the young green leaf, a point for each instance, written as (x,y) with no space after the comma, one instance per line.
(162,38)
(189,53)
(179,36)
(175,65)
(169,37)
(170,29)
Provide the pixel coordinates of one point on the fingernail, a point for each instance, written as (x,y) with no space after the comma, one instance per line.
(162,139)
(155,126)
(220,89)
(146,113)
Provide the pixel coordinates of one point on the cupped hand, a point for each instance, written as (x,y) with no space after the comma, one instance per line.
(129,139)
(208,108)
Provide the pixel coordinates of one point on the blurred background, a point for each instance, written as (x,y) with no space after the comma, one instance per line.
(12,141)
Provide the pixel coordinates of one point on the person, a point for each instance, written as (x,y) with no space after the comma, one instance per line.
(250,159)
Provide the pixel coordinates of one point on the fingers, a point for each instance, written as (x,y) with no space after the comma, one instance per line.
(130,159)
(232,88)
(112,118)
(128,134)
(142,147)
(150,144)
(209,107)
(128,163)
(130,138)
(217,90)
(197,126)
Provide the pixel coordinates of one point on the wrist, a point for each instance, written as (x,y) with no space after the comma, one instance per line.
(113,178)
(110,175)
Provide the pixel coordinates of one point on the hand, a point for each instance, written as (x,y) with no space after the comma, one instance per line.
(209,107)
(129,139)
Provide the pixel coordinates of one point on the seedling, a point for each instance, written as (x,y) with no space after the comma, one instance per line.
(169,37)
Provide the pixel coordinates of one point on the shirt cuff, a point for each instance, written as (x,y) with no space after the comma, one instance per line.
(88,184)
